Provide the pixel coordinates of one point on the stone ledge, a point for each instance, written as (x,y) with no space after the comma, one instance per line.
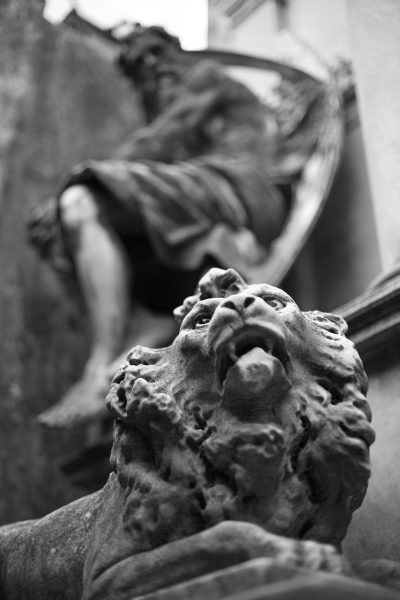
(263,579)
(374,320)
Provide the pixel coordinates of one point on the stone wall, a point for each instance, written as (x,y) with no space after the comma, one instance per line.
(375,530)
(374,327)
(61,101)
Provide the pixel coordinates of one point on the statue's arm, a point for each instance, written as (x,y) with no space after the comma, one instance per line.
(176,135)
(222,546)
(182,131)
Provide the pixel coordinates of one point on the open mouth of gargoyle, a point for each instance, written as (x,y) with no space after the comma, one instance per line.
(261,344)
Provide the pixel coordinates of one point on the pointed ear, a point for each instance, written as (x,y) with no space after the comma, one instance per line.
(329,321)
(220,283)
(181,311)
(216,283)
(140,355)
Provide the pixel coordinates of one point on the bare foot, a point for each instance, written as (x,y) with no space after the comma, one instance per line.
(84,402)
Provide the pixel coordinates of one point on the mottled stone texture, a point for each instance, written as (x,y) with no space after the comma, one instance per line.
(247,438)
(263,579)
(61,101)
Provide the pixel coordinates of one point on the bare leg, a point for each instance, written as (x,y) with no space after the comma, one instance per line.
(103,273)
(104,276)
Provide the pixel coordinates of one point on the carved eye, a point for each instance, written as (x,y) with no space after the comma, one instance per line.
(274,302)
(201,321)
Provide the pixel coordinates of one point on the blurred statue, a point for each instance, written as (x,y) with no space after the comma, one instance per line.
(247,438)
(208,182)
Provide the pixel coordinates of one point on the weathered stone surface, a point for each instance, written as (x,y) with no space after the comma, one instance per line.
(222,584)
(374,327)
(46,125)
(263,578)
(207,474)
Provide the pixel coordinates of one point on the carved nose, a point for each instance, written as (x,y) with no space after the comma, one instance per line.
(239,303)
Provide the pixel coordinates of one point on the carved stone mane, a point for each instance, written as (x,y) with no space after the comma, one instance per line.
(268,424)
(248,437)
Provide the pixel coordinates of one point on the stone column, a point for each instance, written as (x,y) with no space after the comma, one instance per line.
(375,31)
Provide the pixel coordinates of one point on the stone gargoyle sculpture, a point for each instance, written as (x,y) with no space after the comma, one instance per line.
(248,437)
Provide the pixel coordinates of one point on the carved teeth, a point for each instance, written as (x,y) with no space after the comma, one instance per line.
(244,344)
(227,362)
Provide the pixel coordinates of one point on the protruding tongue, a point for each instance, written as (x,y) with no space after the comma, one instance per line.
(251,373)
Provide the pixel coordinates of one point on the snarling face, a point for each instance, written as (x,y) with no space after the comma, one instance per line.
(256,412)
(243,343)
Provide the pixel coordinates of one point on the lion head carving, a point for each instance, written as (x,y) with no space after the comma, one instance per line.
(256,412)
